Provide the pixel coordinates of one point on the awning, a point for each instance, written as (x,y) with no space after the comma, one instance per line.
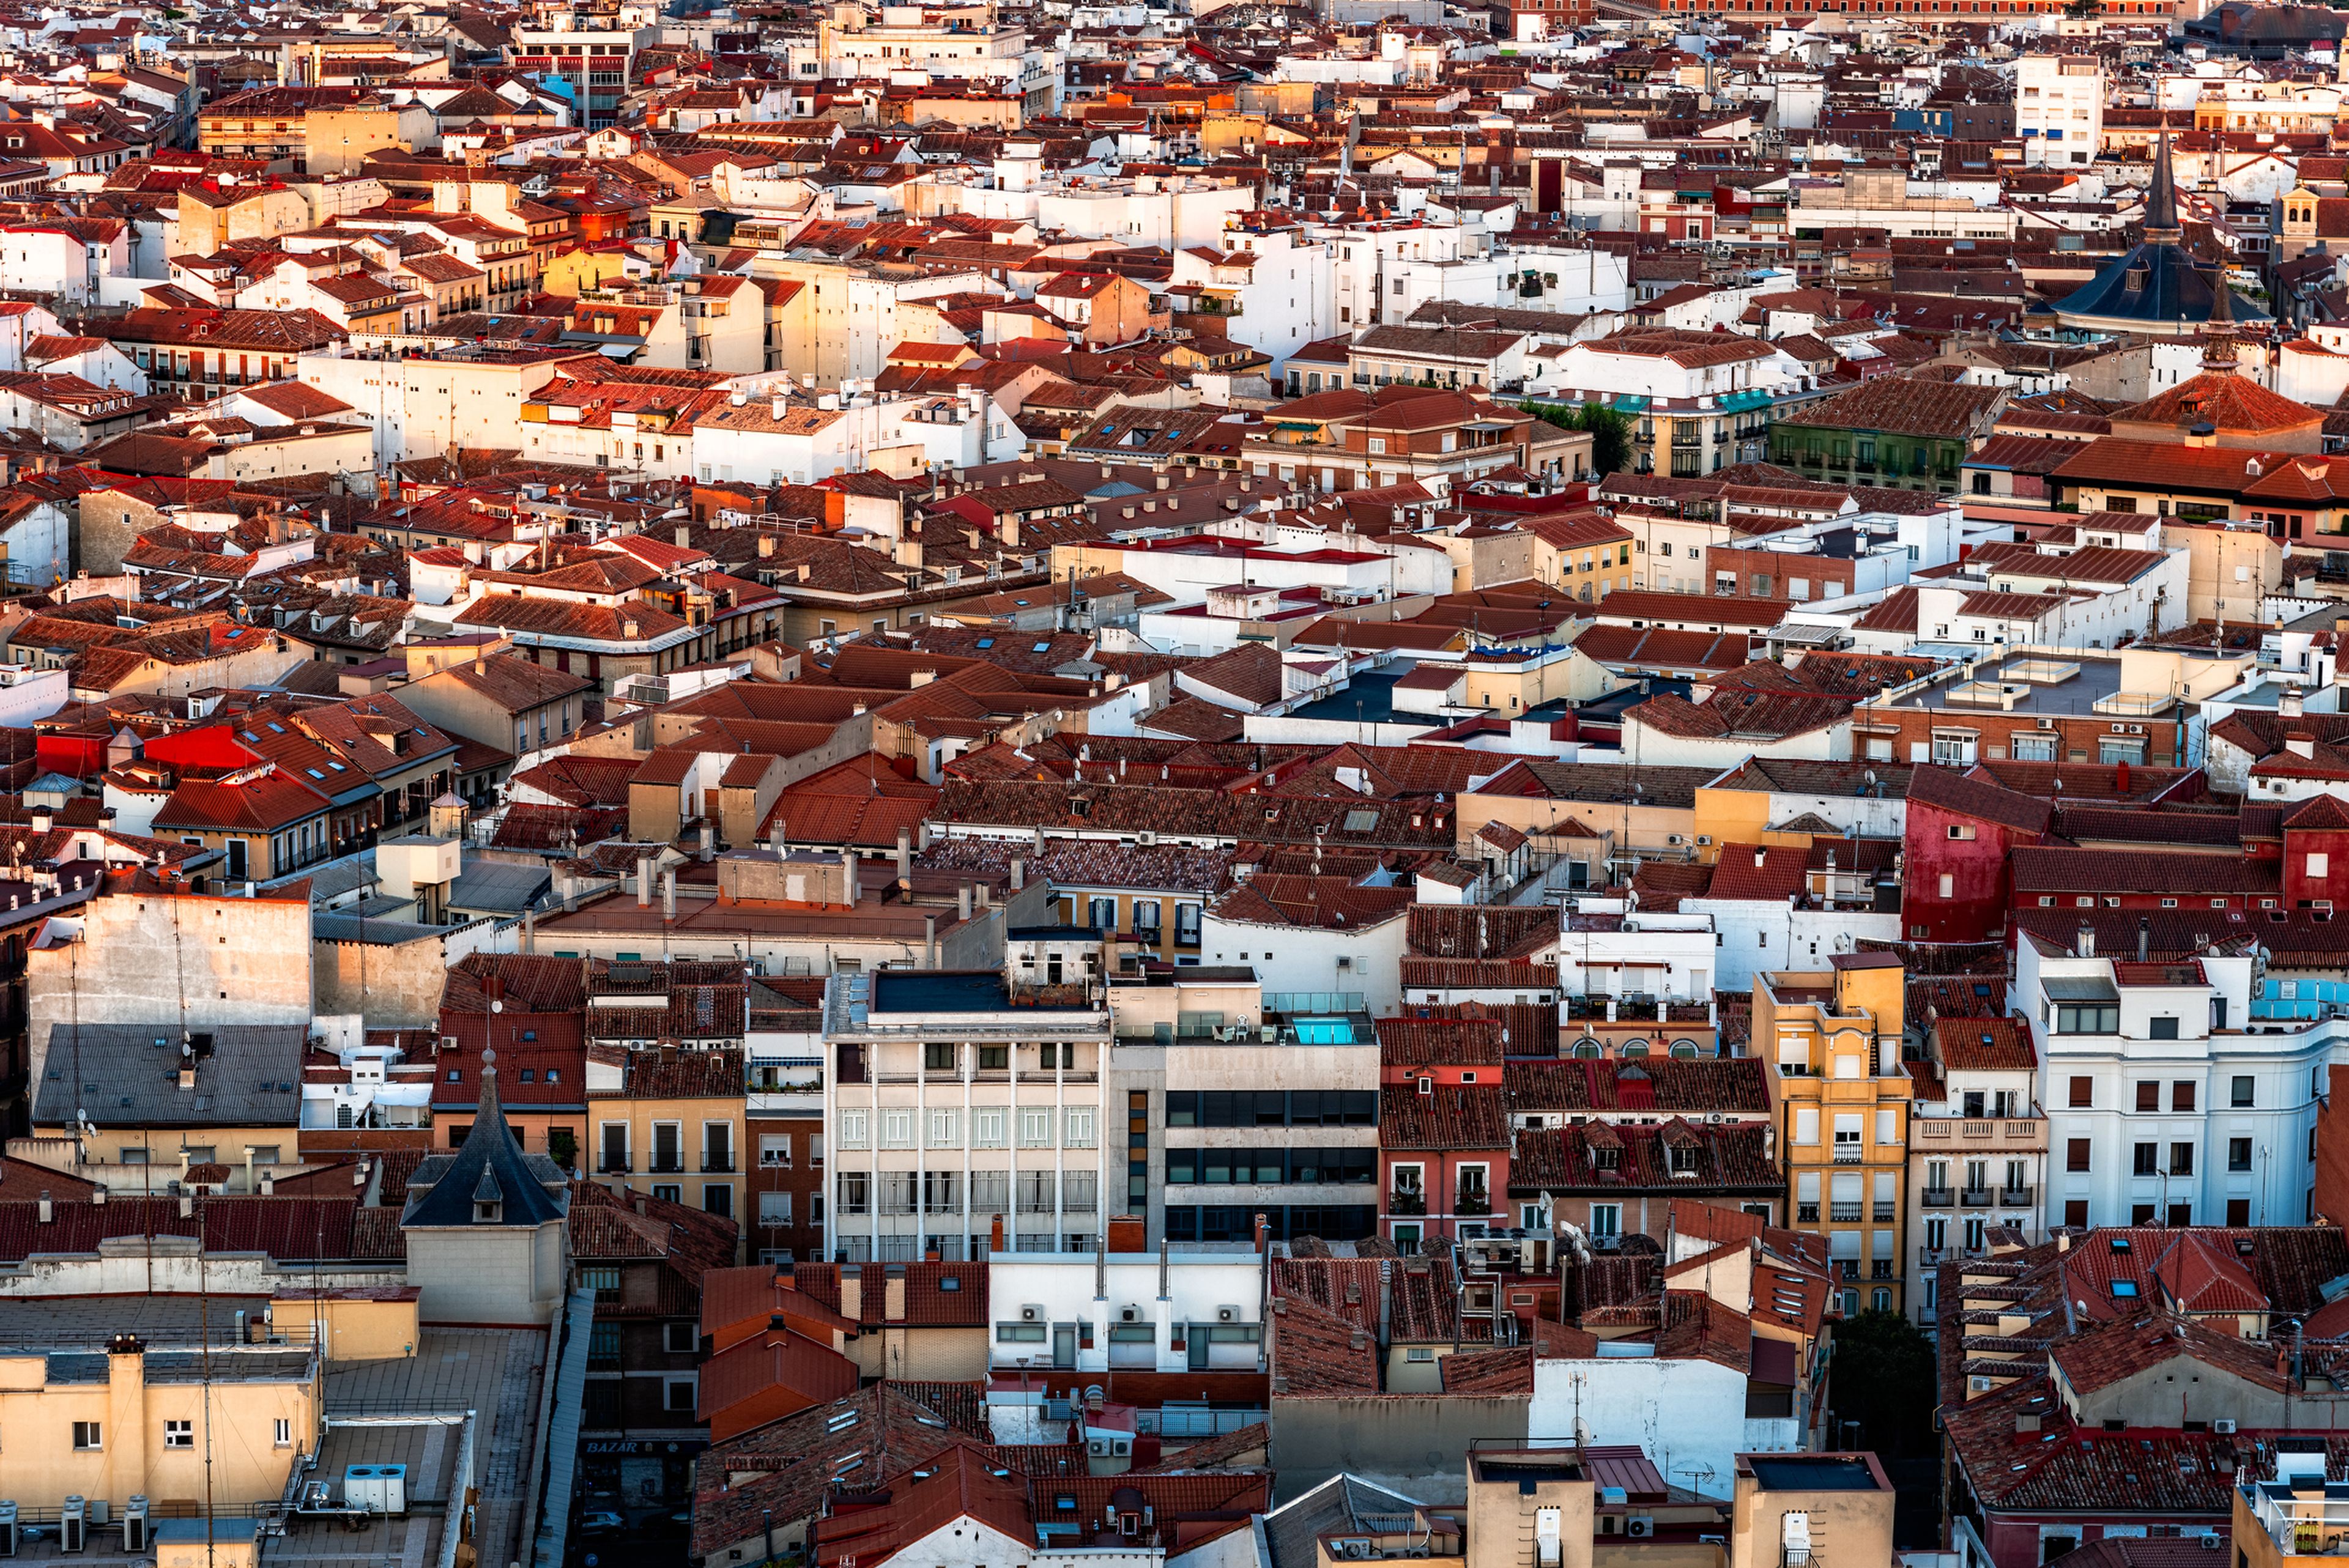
(1630,405)
(1738,402)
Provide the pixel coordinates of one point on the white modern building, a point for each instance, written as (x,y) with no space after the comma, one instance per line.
(956,1099)
(2165,1104)
(2059,107)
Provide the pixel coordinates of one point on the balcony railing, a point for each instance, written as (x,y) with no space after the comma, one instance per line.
(1472,1204)
(1884,1210)
(1846,1213)
(667,1165)
(1807,1214)
(607,1166)
(1939,1196)
(1974,1198)
(717,1164)
(2016,1197)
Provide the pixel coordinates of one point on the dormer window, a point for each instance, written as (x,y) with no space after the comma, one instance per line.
(487,1213)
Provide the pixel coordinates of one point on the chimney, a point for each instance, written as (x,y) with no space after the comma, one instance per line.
(2300,743)
(2288,706)
(852,1291)
(1263,1233)
(2144,938)
(2085,944)
(48,1211)
(851,883)
(994,1236)
(1760,856)
(530,930)
(97,1196)
(269,1184)
(187,1205)
(893,1294)
(643,882)
(962,900)
(668,894)
(684,537)
(929,942)
(904,858)
(709,845)
(481,658)
(1019,872)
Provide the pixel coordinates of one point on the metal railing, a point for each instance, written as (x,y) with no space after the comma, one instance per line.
(2016,1197)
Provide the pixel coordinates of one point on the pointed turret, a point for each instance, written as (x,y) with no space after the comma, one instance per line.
(2219,332)
(2161,200)
(488,1181)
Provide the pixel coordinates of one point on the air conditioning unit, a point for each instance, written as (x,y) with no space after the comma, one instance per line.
(2137,729)
(1639,1527)
(1227,1314)
(1147,836)
(2119,729)
(448,1042)
(7,1529)
(1344,962)
(1031,1315)
(1128,1314)
(2046,724)
(1705,838)
(2222,1427)
(134,1527)
(73,1525)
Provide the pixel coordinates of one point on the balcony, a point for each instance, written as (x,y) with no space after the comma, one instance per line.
(1850,1154)
(1807,1214)
(1939,1196)
(1475,1202)
(2016,1197)
(717,1165)
(1886,1210)
(1974,1198)
(607,1166)
(1845,1213)
(667,1165)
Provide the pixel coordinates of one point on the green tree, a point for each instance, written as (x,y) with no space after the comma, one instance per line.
(1610,436)
(1882,1376)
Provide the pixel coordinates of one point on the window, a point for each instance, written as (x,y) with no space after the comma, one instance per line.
(179,1434)
(946,1128)
(2076,1154)
(281,1432)
(679,1396)
(775,1150)
(2088,1018)
(2238,1154)
(2149,1095)
(852,1125)
(2083,1093)
(1079,1127)
(896,1127)
(2161,1028)
(2181,1159)
(1036,1127)
(2145,1160)
(2181,1096)
(2240,1093)
(679,1338)
(88,1436)
(774,1209)
(986,1126)
(939,1056)
(600,1278)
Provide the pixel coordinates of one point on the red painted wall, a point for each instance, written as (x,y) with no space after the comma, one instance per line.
(1981,886)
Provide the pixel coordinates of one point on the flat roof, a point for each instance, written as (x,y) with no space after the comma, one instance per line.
(1812,1472)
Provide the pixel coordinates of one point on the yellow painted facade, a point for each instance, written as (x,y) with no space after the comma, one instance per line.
(131,1434)
(1830,1041)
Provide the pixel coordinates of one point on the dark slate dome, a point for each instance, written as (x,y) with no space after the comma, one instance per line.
(2156,288)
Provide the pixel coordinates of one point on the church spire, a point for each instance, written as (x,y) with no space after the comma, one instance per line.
(2219,332)
(2161,200)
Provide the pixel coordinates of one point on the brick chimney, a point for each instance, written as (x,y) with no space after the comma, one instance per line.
(852,1291)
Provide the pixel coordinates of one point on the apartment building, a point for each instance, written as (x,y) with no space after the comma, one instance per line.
(1830,1042)
(2165,1105)
(1976,1146)
(1236,1108)
(2059,107)
(671,1117)
(959,1101)
(1698,401)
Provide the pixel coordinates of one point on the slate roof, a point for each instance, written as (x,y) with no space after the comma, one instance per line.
(488,1167)
(251,1077)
